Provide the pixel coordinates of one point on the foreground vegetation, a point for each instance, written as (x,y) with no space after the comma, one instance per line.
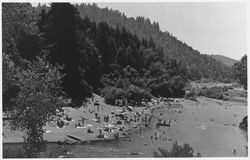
(241,71)
(177,150)
(244,124)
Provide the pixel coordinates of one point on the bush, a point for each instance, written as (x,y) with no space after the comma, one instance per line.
(161,89)
(177,86)
(168,88)
(136,94)
(191,95)
(113,93)
(214,92)
(132,93)
(184,150)
(243,123)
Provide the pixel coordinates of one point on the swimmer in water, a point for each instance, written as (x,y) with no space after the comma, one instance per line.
(234,151)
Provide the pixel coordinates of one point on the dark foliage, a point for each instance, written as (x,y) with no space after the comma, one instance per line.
(184,150)
(243,123)
(98,56)
(213,92)
(20,38)
(198,65)
(66,46)
(241,71)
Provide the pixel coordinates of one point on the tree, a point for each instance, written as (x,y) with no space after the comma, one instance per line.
(65,44)
(10,88)
(113,93)
(106,45)
(94,69)
(151,43)
(177,86)
(19,31)
(36,103)
(241,71)
(136,94)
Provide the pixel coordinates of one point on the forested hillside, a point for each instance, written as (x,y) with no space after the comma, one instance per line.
(198,65)
(225,60)
(94,57)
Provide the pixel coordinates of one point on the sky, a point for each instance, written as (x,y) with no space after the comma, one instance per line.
(211,28)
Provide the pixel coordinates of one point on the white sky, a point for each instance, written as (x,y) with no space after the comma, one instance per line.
(211,28)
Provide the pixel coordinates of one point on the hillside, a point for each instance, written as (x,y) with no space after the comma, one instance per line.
(198,65)
(225,60)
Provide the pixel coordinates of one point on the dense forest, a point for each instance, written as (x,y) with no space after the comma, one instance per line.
(94,56)
(198,65)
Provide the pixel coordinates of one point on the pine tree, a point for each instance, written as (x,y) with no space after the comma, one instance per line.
(61,41)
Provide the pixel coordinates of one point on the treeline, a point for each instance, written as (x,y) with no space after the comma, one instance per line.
(95,57)
(241,71)
(220,93)
(198,65)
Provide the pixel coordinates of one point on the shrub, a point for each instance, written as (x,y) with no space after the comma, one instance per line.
(136,94)
(161,89)
(132,93)
(184,150)
(243,123)
(113,93)
(191,95)
(214,92)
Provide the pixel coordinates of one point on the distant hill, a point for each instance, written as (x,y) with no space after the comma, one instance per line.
(198,65)
(225,60)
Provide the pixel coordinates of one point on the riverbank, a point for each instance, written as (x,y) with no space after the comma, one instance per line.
(85,124)
(211,128)
(87,121)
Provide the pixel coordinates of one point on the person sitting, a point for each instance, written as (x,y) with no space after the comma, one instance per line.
(164,122)
(89,130)
(98,119)
(100,134)
(83,119)
(59,143)
(68,118)
(65,152)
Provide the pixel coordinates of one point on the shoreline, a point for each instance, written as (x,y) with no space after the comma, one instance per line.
(195,120)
